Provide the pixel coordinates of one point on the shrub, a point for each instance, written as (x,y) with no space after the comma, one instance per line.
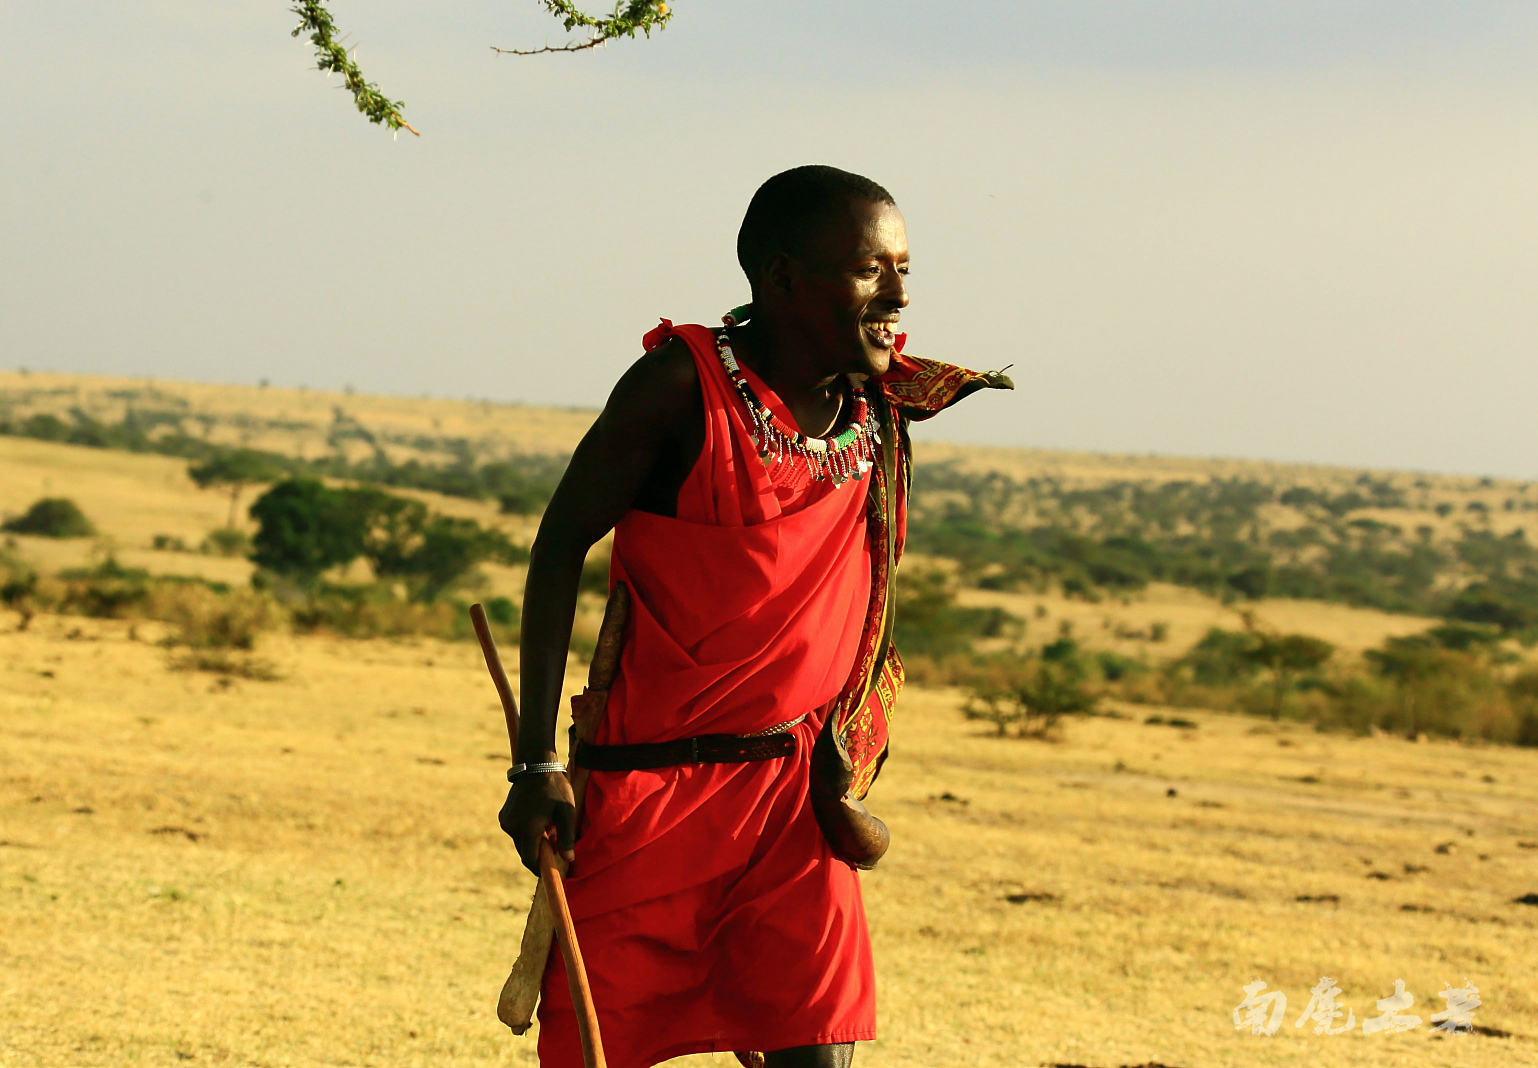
(18,587)
(1221,658)
(374,611)
(106,591)
(168,543)
(1483,603)
(1253,582)
(207,619)
(305,528)
(525,500)
(1033,694)
(52,517)
(226,541)
(502,611)
(930,624)
(595,576)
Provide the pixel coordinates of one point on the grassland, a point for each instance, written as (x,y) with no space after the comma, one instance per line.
(308,871)
(203,869)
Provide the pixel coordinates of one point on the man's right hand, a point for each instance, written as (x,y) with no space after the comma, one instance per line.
(534,803)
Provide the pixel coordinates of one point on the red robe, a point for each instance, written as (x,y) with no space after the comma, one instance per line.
(711,913)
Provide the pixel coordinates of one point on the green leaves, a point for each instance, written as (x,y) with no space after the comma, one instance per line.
(626,20)
(331,56)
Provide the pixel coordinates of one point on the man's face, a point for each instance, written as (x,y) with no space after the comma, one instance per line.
(851,287)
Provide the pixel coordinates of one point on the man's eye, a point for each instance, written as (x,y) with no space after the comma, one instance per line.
(903,271)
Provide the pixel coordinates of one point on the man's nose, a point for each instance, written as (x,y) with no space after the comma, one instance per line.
(897,290)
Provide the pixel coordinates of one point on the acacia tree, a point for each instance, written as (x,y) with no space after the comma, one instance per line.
(237,470)
(628,18)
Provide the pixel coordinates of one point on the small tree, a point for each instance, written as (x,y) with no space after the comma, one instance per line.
(18,587)
(52,517)
(237,470)
(429,552)
(305,527)
(1286,657)
(1034,694)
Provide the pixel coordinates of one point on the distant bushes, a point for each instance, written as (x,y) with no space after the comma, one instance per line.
(937,637)
(226,541)
(306,528)
(1453,680)
(51,517)
(1033,693)
(206,618)
(1236,539)
(373,610)
(214,627)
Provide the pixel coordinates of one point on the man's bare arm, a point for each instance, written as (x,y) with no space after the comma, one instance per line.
(654,404)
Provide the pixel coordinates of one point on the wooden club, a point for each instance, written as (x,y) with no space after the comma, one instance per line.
(550,865)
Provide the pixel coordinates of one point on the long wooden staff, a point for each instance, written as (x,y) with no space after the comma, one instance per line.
(482,627)
(576,974)
(520,994)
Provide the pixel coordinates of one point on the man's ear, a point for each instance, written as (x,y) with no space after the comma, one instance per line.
(779,274)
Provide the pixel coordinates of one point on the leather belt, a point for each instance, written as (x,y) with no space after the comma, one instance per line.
(704,749)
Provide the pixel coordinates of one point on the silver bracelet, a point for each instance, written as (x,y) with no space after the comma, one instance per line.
(544,767)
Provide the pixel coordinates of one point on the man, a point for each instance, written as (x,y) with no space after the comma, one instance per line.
(755,481)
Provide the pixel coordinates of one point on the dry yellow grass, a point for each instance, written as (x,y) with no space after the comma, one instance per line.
(309,871)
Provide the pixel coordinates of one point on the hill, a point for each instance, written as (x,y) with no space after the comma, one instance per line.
(1158,577)
(1078,523)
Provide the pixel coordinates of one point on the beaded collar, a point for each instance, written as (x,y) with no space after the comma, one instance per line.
(839,457)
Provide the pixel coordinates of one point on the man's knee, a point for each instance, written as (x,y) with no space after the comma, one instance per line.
(839,1055)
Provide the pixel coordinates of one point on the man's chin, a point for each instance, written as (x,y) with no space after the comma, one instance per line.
(874,360)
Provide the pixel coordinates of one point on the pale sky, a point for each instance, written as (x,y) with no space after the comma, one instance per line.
(1284,230)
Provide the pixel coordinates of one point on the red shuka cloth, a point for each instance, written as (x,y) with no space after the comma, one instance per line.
(711,914)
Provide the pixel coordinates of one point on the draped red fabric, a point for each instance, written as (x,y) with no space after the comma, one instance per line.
(711,914)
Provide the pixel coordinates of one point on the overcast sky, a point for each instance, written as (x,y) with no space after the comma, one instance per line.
(1277,229)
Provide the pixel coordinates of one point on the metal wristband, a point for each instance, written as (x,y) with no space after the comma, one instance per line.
(544,767)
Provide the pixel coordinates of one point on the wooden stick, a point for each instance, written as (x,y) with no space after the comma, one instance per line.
(520,994)
(482,627)
(576,974)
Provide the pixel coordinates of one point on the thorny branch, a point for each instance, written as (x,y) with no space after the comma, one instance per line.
(626,20)
(330,55)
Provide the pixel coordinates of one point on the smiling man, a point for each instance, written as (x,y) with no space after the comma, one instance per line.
(755,479)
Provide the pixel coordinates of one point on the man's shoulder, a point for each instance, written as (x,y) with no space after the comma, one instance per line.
(662,384)
(670,364)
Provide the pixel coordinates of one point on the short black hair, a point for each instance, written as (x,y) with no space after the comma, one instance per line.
(787,207)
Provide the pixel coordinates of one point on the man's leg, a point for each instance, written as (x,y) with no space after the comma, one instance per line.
(840,1055)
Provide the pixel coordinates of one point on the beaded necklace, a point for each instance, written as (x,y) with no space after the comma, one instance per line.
(839,457)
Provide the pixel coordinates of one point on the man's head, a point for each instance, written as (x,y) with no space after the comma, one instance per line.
(826,253)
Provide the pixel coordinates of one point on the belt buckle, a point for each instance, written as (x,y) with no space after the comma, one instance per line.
(694,750)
